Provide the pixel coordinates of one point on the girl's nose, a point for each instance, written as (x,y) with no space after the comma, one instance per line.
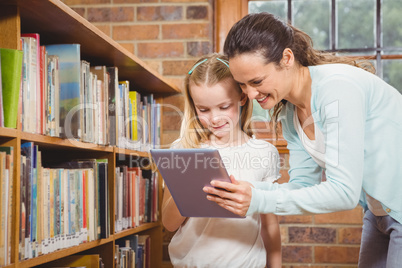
(215,117)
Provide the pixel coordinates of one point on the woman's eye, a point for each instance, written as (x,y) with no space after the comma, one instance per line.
(257,82)
(202,110)
(225,107)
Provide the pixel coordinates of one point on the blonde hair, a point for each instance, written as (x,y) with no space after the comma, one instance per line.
(209,70)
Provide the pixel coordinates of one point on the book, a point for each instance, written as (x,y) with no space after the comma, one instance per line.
(27,150)
(113,90)
(28,84)
(127,248)
(102,102)
(143,251)
(35,76)
(86,113)
(70,88)
(22,207)
(134,114)
(3,216)
(11,69)
(9,150)
(52,108)
(43,86)
(104,198)
(1,99)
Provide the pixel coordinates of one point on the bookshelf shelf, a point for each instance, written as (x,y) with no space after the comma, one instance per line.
(131,153)
(63,253)
(56,23)
(8,132)
(55,142)
(143,227)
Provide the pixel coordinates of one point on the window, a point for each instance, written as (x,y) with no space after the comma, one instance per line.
(360,27)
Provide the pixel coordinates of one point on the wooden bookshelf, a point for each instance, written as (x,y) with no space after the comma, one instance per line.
(57,23)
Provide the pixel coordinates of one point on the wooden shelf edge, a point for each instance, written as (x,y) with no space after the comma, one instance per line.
(8,132)
(119,150)
(141,228)
(55,141)
(63,253)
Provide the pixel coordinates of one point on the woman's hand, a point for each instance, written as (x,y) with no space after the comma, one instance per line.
(235,196)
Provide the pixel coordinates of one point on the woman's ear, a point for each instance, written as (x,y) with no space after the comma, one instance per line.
(287,58)
(243,99)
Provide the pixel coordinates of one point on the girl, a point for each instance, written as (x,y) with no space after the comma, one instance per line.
(213,118)
(337,118)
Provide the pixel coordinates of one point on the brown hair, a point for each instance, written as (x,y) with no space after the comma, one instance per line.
(269,36)
(208,70)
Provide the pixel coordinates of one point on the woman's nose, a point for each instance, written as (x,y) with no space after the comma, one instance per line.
(251,93)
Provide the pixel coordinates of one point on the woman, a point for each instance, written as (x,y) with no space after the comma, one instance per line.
(338,119)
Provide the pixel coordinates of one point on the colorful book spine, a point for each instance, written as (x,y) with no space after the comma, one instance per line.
(11,69)
(70,88)
(35,57)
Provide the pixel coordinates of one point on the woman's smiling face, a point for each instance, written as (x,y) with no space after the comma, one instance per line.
(267,83)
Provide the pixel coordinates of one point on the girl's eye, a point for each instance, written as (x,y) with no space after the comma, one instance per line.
(257,82)
(202,110)
(225,107)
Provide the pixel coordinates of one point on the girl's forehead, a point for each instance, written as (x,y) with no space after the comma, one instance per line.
(212,93)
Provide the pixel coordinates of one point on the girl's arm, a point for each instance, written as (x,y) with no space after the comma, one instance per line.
(171,217)
(271,236)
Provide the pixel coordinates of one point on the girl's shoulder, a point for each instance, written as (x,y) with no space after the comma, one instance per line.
(260,144)
(176,144)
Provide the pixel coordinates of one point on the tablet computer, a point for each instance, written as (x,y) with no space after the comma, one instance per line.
(186,172)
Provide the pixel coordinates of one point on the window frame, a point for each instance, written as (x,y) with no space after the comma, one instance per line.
(229,12)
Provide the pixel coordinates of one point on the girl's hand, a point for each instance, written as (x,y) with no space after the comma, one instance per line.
(235,196)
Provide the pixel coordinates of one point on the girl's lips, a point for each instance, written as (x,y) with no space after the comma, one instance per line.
(219,127)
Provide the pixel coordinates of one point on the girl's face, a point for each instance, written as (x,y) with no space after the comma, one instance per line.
(266,83)
(218,107)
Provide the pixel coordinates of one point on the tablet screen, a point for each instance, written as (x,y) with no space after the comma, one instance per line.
(186,172)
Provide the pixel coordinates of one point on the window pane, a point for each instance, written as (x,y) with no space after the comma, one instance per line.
(313,17)
(391,24)
(392,73)
(279,8)
(355,23)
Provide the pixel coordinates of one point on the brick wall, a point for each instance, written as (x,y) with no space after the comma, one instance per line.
(169,35)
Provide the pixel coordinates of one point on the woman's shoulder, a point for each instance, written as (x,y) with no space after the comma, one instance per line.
(333,68)
(336,73)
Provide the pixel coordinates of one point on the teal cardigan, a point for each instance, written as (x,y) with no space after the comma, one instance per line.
(361,118)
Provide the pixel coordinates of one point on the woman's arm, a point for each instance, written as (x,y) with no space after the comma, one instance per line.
(171,217)
(342,115)
(271,235)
